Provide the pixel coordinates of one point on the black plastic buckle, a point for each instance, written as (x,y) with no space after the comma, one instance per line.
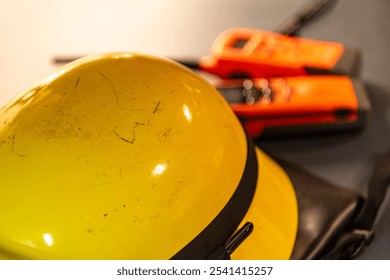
(224,252)
(365,236)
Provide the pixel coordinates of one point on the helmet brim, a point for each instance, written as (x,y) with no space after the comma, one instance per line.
(274,213)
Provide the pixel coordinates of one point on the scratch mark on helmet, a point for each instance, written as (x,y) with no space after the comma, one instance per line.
(157,107)
(124,139)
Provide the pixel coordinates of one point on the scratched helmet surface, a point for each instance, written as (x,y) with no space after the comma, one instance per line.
(128,156)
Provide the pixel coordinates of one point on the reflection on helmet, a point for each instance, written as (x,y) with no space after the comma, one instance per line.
(124,156)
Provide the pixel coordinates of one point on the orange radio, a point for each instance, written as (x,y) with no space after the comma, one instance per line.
(297,105)
(251,53)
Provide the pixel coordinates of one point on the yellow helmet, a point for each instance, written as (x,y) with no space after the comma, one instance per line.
(127,156)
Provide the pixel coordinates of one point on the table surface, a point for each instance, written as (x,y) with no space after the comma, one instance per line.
(33,32)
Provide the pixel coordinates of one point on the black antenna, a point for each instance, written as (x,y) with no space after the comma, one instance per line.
(304,14)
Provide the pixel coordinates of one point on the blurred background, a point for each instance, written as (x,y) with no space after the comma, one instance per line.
(33,33)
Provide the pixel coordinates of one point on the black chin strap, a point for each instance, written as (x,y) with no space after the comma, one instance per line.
(351,243)
(216,240)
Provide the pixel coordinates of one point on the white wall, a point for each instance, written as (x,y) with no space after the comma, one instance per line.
(32,32)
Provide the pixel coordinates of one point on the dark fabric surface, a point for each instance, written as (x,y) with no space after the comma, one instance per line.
(325,210)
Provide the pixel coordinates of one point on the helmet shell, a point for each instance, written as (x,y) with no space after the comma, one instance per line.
(116,156)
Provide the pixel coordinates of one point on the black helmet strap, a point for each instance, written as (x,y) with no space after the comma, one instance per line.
(216,240)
